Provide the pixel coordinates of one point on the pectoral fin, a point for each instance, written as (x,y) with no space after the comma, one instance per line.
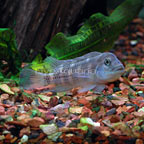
(61,88)
(86,88)
(99,88)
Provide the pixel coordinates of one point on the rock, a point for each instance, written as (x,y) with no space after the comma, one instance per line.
(36,122)
(132,74)
(107,103)
(25,131)
(60,123)
(55,136)
(15,89)
(24,139)
(83,101)
(60,107)
(111,111)
(76,109)
(49,116)
(49,129)
(2,137)
(2,110)
(4,96)
(6,88)
(87,120)
(133,42)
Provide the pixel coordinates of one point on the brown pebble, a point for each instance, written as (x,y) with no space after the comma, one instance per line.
(36,122)
(139,141)
(4,96)
(2,110)
(133,74)
(15,89)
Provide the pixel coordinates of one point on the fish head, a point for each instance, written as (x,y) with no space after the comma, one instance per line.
(109,68)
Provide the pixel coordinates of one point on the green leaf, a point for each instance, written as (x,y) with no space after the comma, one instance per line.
(96,109)
(15,78)
(6,88)
(97,34)
(1,77)
(38,59)
(8,48)
(84,128)
(87,120)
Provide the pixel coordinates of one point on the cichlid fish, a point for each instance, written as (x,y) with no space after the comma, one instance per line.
(90,71)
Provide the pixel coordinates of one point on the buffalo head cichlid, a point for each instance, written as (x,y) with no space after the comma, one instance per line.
(90,71)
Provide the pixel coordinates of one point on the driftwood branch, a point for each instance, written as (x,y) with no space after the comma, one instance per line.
(35,22)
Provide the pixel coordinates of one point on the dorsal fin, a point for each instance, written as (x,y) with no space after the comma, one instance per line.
(88,55)
(55,62)
(49,65)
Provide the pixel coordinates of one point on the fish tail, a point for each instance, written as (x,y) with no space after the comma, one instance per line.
(30,79)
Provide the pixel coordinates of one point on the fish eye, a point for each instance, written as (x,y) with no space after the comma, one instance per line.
(107,62)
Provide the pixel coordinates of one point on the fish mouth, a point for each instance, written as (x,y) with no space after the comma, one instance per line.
(118,68)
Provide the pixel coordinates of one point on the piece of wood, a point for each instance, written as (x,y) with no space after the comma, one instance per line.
(35,22)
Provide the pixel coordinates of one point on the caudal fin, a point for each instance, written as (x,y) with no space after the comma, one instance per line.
(30,79)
